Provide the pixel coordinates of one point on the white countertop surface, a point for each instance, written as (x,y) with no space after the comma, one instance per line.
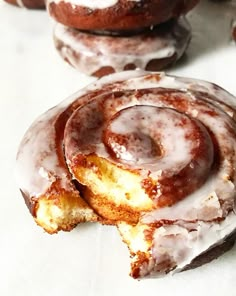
(90,260)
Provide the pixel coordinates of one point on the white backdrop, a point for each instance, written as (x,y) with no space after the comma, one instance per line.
(91,260)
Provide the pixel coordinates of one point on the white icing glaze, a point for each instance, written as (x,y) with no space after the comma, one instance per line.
(92,4)
(158,123)
(36,148)
(88,53)
(182,243)
(204,200)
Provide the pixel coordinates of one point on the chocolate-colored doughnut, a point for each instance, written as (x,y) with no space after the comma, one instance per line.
(116,14)
(32,4)
(98,55)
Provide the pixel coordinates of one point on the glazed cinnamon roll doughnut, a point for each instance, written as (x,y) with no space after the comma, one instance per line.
(153,49)
(32,4)
(116,14)
(151,153)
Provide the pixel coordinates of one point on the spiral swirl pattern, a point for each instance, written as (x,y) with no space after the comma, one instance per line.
(141,131)
(156,155)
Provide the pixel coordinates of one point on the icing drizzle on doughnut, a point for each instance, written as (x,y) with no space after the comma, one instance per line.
(93,4)
(89,53)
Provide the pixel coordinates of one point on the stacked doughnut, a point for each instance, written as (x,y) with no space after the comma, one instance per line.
(153,154)
(31,4)
(101,37)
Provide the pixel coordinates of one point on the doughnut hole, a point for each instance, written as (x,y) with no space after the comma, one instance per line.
(114,193)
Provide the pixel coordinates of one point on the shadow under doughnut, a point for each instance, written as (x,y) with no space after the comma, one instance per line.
(154,49)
